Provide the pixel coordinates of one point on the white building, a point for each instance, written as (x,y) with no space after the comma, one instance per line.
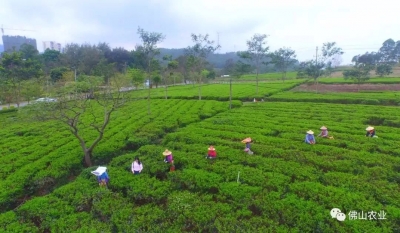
(52,45)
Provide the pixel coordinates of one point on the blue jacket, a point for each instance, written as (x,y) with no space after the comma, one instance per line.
(248,145)
(103,176)
(309,138)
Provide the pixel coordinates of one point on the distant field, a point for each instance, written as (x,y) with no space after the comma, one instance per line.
(370,98)
(276,76)
(241,91)
(341,80)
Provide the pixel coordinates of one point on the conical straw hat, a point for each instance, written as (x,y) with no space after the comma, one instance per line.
(167,152)
(369,128)
(246,140)
(99,171)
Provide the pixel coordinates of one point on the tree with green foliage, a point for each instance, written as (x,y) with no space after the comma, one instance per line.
(105,69)
(82,114)
(315,68)
(6,92)
(17,70)
(31,89)
(235,70)
(121,57)
(184,67)
(28,51)
(168,72)
(256,52)
(137,76)
(383,69)
(56,74)
(149,50)
(360,73)
(197,55)
(51,60)
(283,58)
(156,78)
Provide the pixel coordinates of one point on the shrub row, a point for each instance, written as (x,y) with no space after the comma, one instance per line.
(286,186)
(38,157)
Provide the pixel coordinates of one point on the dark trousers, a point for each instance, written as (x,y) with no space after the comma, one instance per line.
(136,172)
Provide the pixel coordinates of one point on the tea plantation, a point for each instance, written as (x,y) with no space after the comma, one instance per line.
(286,186)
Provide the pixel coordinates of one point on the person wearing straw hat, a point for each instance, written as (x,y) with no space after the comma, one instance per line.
(248,145)
(370,132)
(324,133)
(102,176)
(310,137)
(212,154)
(168,156)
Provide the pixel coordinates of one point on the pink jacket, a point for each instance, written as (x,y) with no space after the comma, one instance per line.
(136,166)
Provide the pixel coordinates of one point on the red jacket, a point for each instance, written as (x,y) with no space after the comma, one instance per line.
(212,153)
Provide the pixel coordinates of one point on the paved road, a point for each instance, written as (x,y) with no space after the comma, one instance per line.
(22,104)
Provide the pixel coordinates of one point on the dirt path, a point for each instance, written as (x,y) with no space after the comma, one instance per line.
(347,87)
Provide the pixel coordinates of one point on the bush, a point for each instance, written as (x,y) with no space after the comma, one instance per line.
(371,102)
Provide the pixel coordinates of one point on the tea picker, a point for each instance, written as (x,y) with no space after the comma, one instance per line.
(324,133)
(169,159)
(212,154)
(248,145)
(102,176)
(310,137)
(168,156)
(370,132)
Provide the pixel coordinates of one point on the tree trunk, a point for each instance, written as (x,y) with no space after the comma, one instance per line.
(148,101)
(200,88)
(148,96)
(284,76)
(88,157)
(174,80)
(18,94)
(230,93)
(166,87)
(257,81)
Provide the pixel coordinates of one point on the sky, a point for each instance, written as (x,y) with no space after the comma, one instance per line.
(355,25)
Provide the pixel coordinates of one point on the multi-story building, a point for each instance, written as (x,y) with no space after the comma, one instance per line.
(13,43)
(52,45)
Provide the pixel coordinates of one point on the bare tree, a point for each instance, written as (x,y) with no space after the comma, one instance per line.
(82,114)
(283,59)
(149,50)
(198,54)
(168,71)
(256,52)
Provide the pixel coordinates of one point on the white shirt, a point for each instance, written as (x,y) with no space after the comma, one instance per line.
(136,166)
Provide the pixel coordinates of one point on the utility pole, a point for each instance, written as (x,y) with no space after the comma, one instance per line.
(317,67)
(230,92)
